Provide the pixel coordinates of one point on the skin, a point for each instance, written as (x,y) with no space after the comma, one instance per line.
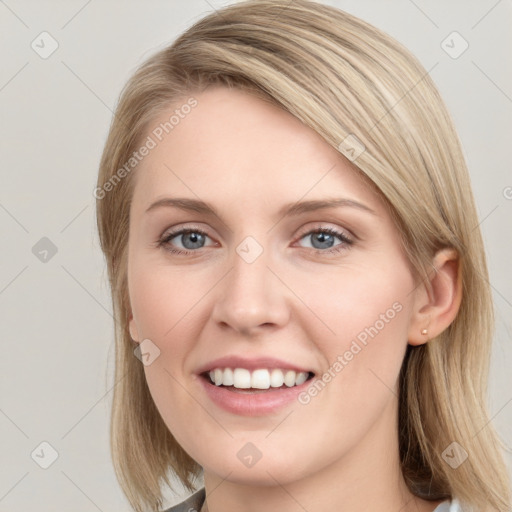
(248,159)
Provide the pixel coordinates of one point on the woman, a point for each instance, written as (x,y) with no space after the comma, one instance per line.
(303,313)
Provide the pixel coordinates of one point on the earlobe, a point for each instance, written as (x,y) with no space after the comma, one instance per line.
(134,333)
(437,301)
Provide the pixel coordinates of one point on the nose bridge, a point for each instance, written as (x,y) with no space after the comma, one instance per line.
(251,295)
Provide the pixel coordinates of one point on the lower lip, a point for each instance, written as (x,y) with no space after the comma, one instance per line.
(252,404)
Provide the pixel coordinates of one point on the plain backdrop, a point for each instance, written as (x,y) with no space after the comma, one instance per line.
(56,323)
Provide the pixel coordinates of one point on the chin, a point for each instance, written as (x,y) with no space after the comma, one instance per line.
(265,472)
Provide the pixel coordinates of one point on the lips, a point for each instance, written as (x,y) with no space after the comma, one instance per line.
(269,390)
(252,402)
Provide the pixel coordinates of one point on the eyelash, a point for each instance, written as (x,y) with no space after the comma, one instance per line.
(347,242)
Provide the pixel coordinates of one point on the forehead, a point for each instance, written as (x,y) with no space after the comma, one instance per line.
(235,147)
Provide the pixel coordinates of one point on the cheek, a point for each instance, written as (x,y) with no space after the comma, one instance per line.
(165,309)
(161,298)
(364,317)
(351,299)
(369,314)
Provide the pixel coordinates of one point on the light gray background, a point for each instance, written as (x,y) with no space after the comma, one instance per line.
(56,366)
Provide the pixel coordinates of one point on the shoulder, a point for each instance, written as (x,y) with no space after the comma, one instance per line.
(449,506)
(191,504)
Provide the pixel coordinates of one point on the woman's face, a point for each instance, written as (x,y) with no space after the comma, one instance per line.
(268,279)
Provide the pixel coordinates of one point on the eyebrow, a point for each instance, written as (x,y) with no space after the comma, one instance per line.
(195,205)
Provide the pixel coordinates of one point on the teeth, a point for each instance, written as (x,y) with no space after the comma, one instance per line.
(258,379)
(241,378)
(289,378)
(276,378)
(227,377)
(301,378)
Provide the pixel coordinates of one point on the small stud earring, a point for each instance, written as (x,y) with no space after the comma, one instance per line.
(424,331)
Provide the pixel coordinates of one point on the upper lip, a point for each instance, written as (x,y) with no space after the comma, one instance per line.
(255,363)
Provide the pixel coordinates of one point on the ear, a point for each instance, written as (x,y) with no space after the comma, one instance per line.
(134,332)
(437,301)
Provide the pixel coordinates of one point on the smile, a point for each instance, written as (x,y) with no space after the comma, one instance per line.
(254,393)
(242,378)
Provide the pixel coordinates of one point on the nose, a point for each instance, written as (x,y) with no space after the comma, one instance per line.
(251,297)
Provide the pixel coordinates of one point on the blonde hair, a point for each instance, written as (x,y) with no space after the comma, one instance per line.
(342,77)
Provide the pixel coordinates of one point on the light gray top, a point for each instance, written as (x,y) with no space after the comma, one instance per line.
(195,502)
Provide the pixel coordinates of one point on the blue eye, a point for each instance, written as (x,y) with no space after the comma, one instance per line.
(324,238)
(192,239)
